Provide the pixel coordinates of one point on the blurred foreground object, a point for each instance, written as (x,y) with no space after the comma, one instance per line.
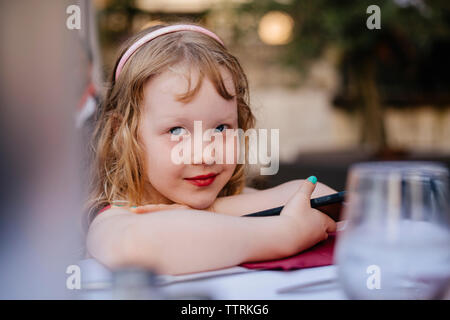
(42,80)
(396,244)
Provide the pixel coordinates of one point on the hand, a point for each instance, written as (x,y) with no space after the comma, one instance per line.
(157,207)
(304,225)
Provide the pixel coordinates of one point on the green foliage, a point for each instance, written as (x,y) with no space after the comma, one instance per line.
(322,23)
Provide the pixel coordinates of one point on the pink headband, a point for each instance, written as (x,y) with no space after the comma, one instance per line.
(159,32)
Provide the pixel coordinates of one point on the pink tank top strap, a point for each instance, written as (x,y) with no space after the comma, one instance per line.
(104,209)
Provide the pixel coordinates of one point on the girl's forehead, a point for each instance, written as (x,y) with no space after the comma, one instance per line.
(160,93)
(179,79)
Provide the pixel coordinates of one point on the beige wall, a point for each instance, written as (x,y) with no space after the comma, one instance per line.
(308,121)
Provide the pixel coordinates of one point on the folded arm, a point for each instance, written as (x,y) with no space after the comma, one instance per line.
(259,200)
(184,240)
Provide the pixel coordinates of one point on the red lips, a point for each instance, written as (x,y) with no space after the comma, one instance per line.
(202,180)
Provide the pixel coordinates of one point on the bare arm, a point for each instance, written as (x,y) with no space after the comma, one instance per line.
(259,200)
(249,190)
(184,241)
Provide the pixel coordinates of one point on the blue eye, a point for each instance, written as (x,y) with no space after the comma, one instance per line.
(177,130)
(222,126)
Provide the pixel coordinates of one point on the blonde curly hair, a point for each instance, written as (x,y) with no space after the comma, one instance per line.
(118,170)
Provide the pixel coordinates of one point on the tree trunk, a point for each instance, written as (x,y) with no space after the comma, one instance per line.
(373,133)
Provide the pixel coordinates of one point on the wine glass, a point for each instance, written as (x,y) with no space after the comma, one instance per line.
(396,240)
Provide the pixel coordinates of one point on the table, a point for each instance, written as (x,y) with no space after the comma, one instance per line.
(226,284)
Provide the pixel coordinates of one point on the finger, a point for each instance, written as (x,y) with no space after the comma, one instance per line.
(307,188)
(329,224)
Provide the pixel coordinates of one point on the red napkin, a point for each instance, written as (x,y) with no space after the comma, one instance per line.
(319,255)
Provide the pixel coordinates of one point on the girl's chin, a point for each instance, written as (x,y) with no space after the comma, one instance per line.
(201,206)
(202,203)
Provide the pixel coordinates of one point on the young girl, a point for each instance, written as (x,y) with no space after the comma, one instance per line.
(184,218)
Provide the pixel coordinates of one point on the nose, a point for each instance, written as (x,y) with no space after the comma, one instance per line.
(203,151)
(219,149)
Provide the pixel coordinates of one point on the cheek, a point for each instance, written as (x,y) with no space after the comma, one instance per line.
(228,170)
(159,163)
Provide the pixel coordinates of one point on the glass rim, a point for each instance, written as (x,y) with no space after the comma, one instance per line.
(400,166)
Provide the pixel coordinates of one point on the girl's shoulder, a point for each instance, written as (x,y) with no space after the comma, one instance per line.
(108,211)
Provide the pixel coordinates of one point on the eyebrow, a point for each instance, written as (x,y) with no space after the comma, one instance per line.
(176,118)
(166,120)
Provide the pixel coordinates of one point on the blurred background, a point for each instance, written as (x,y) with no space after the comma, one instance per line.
(338,91)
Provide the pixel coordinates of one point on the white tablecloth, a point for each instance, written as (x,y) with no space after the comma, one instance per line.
(231,283)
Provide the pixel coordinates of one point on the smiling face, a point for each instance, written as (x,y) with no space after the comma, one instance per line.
(163,116)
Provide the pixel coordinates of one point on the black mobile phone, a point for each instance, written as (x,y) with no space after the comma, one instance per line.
(330,204)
